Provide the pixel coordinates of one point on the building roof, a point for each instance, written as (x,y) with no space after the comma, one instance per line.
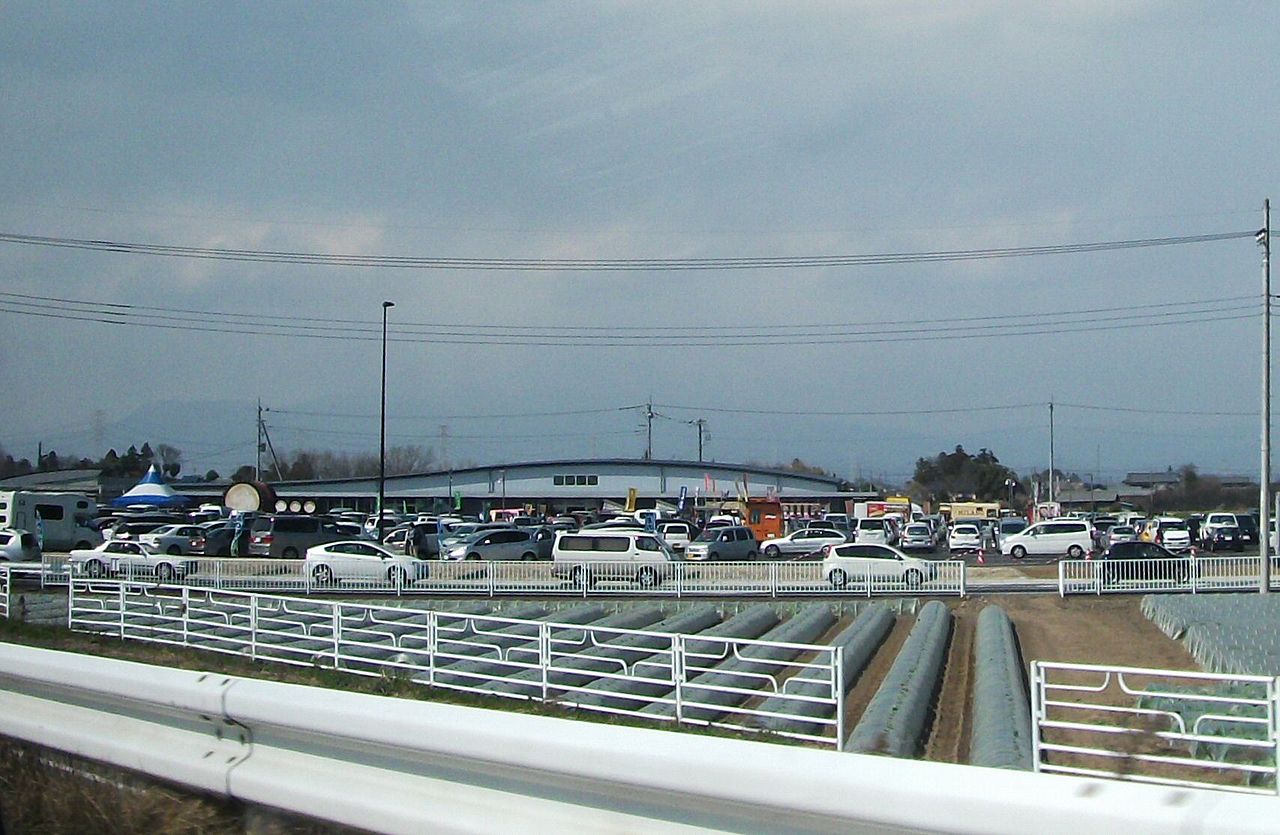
(1152,479)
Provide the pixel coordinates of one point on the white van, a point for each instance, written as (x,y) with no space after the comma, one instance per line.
(602,554)
(1054,537)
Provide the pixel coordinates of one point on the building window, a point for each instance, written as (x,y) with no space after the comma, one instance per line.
(593,480)
(558,480)
(582,481)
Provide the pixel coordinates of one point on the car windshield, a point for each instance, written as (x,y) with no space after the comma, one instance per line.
(710,534)
(1173,526)
(1123,530)
(917,530)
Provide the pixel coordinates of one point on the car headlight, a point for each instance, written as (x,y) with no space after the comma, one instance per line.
(458,552)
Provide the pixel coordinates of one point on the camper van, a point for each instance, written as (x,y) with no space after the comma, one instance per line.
(60,521)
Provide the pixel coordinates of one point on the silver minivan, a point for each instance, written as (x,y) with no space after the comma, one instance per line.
(734,543)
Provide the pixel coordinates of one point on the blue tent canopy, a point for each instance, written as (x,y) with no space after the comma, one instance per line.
(151,490)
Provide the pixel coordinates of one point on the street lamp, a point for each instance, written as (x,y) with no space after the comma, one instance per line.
(382,439)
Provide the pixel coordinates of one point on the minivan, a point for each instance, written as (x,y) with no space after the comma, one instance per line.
(734,543)
(290,536)
(1054,537)
(583,556)
(877,531)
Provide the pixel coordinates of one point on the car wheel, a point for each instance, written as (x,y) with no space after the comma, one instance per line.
(473,556)
(165,573)
(1018,552)
(528,556)
(914,578)
(290,553)
(751,555)
(1075,552)
(771,552)
(648,578)
(323,575)
(838,578)
(713,556)
(173,551)
(95,568)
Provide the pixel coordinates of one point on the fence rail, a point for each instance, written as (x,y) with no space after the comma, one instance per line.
(492,579)
(1194,729)
(570,664)
(1183,574)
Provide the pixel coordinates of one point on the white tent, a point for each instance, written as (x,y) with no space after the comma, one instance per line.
(151,490)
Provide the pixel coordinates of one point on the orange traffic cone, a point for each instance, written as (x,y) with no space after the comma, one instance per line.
(981,561)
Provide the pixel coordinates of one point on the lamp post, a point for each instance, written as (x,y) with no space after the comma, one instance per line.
(382,436)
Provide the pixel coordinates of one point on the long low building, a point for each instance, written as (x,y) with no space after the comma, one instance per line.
(560,486)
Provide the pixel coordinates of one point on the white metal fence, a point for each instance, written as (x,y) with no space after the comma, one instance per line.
(1185,574)
(542,660)
(1156,726)
(490,579)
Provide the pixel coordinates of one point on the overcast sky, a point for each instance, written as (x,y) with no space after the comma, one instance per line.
(641,131)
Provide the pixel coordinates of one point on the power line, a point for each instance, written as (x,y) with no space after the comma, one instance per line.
(601,264)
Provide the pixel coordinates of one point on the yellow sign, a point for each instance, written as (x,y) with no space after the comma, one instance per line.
(632,494)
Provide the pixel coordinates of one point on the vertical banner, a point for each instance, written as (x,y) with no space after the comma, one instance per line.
(684,494)
(632,495)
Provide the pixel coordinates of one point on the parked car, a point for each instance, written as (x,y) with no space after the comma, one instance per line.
(121,556)
(289,537)
(175,539)
(734,543)
(874,531)
(502,544)
(855,562)
(637,556)
(1222,538)
(359,559)
(1171,566)
(917,536)
(1173,534)
(1121,533)
(1008,527)
(1055,537)
(964,537)
(18,546)
(126,530)
(1248,525)
(217,539)
(803,541)
(677,534)
(1215,520)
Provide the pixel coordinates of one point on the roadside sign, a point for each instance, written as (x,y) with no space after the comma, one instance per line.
(684,494)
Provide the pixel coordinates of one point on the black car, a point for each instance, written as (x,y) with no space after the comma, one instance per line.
(1171,566)
(1223,538)
(1248,525)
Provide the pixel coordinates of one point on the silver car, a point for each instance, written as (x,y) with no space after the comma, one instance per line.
(803,541)
(734,543)
(501,544)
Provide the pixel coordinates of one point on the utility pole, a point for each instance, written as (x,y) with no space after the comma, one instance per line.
(444,444)
(1051,478)
(648,415)
(701,423)
(1264,499)
(257,461)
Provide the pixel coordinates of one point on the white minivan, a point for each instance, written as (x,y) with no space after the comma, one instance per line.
(1054,537)
(589,555)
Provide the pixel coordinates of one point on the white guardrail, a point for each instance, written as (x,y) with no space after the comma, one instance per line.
(1178,728)
(402,766)
(1184,574)
(591,666)
(677,579)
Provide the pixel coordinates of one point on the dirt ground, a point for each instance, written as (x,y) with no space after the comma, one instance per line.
(1086,630)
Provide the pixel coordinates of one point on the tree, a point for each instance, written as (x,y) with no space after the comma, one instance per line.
(212,475)
(244,473)
(950,475)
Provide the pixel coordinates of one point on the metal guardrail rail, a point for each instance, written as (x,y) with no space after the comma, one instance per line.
(541,660)
(400,766)
(1182,574)
(1194,729)
(492,579)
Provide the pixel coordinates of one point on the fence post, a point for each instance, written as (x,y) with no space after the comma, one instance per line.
(1037,708)
(186,609)
(677,673)
(1062,579)
(488,573)
(431,647)
(773,580)
(120,588)
(1097,578)
(838,675)
(679,580)
(963,582)
(544,654)
(71,600)
(253,626)
(337,631)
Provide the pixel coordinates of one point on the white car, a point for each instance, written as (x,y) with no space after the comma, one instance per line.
(878,530)
(964,537)
(856,562)
(175,539)
(18,546)
(359,559)
(917,536)
(1072,538)
(129,558)
(676,534)
(803,541)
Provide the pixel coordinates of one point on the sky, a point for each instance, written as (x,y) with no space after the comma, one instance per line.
(634,132)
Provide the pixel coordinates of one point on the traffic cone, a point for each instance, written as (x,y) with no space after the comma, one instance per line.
(981,561)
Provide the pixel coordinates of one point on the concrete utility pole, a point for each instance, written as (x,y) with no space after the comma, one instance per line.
(257,461)
(1051,477)
(701,423)
(1264,499)
(382,433)
(648,415)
